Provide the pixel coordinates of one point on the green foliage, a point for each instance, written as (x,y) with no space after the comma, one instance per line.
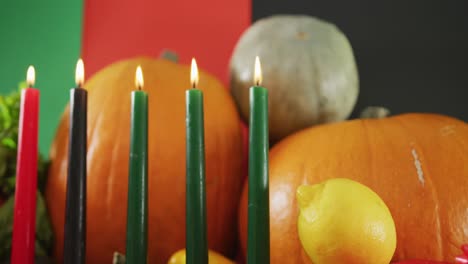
(9,121)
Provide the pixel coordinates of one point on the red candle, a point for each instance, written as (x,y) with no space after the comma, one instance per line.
(24,218)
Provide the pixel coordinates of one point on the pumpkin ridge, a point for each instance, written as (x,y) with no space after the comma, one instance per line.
(459,144)
(420,156)
(370,152)
(91,134)
(114,152)
(96,119)
(318,93)
(456,135)
(217,224)
(111,176)
(93,131)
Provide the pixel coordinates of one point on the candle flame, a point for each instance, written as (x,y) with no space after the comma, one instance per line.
(31,76)
(194,73)
(139,81)
(79,73)
(258,72)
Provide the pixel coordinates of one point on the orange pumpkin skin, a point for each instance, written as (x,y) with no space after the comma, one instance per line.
(108,148)
(417,163)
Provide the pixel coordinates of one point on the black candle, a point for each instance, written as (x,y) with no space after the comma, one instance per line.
(75,211)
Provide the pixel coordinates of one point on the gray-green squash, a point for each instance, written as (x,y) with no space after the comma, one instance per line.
(308,67)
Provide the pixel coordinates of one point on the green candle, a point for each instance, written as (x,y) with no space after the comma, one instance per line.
(195,240)
(137,210)
(258,229)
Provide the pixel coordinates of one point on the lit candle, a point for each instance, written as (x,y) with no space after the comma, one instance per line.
(24,217)
(258,229)
(196,242)
(75,211)
(137,207)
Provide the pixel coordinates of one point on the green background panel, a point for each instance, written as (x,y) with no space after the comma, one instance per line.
(46,34)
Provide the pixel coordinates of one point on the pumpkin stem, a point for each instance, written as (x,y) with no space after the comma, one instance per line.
(374,112)
(118,258)
(169,55)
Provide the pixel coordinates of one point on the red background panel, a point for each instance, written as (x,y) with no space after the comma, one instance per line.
(204,29)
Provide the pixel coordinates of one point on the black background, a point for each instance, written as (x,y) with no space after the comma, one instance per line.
(412,55)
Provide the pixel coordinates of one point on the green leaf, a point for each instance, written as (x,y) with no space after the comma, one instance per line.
(6,227)
(9,142)
(43,228)
(4,113)
(22,85)
(10,184)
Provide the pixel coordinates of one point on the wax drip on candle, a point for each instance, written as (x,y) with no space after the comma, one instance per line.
(139,81)
(31,76)
(258,72)
(194,74)
(79,73)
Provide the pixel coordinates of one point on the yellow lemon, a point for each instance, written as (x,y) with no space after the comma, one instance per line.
(213,258)
(343,221)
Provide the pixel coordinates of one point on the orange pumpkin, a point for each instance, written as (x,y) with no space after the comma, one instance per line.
(108,148)
(417,163)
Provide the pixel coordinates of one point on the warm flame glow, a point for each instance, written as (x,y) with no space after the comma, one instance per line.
(31,76)
(139,82)
(258,72)
(194,74)
(79,73)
